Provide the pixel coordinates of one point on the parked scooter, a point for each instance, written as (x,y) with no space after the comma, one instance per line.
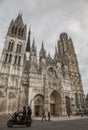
(19,119)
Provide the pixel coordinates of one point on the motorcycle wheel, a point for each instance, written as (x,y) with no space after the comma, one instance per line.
(10,123)
(28,124)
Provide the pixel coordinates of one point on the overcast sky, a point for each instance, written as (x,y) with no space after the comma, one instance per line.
(49,18)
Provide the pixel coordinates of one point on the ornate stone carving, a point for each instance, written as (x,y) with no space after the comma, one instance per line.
(12,95)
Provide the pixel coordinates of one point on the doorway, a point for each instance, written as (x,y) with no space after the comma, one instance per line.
(55,103)
(38,105)
(52,109)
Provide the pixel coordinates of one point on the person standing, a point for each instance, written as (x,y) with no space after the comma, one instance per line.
(29,111)
(24,113)
(49,116)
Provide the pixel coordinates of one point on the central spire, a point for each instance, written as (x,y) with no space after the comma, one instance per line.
(28,41)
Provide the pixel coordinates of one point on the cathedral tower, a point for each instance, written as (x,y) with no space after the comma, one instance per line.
(70,70)
(11,65)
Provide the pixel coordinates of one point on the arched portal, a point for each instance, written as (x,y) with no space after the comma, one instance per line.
(68,105)
(38,104)
(55,103)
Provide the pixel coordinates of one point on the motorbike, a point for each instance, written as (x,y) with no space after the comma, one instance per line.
(19,119)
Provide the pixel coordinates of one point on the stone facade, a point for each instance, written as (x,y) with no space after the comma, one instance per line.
(53,84)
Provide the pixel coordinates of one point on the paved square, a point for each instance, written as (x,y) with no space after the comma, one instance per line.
(72,123)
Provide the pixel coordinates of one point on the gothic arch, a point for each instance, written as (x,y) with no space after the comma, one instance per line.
(38,104)
(55,103)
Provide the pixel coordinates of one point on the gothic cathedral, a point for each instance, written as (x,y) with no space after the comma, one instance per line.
(53,84)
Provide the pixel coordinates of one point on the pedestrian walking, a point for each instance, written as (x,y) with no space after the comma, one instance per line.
(43,115)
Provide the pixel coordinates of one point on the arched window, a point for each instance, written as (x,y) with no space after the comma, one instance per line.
(22,32)
(10,57)
(10,46)
(6,57)
(19,60)
(16,31)
(12,31)
(15,61)
(19,31)
(18,49)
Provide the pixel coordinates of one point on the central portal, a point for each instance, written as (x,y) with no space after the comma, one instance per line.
(55,103)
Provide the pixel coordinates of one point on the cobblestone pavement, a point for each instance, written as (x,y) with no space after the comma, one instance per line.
(61,123)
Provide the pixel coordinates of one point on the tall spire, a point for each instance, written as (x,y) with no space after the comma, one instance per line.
(28,41)
(17,28)
(19,19)
(33,44)
(33,48)
(42,48)
(42,51)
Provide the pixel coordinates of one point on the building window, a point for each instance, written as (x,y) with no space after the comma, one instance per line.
(19,60)
(18,49)
(19,31)
(6,57)
(10,46)
(10,57)
(15,60)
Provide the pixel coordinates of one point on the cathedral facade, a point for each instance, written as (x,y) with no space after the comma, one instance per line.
(53,84)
